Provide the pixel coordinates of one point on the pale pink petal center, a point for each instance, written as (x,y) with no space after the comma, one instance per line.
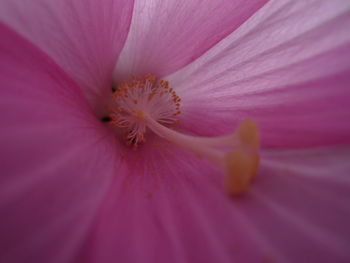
(287,67)
(166,35)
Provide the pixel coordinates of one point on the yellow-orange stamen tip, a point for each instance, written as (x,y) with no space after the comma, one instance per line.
(140,114)
(249,134)
(241,169)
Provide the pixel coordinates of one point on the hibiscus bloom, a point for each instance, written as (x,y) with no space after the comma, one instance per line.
(71,190)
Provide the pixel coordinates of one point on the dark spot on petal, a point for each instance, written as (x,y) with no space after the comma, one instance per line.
(106,119)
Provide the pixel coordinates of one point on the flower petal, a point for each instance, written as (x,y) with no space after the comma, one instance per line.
(83,36)
(56,159)
(287,67)
(300,204)
(168,206)
(166,35)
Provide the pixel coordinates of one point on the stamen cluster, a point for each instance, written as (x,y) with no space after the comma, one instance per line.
(140,97)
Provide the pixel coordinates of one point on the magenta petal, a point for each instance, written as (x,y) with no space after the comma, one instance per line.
(56,160)
(168,206)
(83,36)
(287,67)
(300,204)
(166,35)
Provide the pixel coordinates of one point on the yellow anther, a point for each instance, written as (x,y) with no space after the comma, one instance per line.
(151,95)
(248,134)
(150,78)
(241,169)
(140,114)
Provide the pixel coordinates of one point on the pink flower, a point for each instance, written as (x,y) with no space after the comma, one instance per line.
(72,191)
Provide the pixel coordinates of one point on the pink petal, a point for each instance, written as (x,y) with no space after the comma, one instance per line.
(300,204)
(83,36)
(166,35)
(56,160)
(288,67)
(169,206)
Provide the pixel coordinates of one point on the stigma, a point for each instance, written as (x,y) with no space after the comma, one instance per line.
(147,104)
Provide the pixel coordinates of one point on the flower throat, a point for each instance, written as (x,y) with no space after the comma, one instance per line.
(146,103)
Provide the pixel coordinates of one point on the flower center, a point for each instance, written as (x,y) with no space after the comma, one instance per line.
(143,97)
(145,103)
